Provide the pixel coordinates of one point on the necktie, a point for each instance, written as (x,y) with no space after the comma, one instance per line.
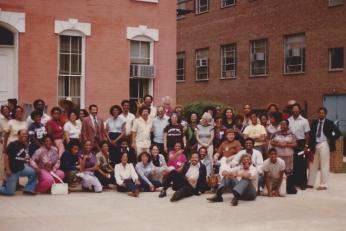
(96,128)
(319,131)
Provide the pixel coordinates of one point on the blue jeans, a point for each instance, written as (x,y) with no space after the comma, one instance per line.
(11,181)
(145,186)
(242,189)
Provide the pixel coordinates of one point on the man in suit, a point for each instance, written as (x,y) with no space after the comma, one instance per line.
(93,127)
(323,135)
(190,180)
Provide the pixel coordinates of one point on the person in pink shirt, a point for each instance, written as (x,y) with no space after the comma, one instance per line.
(176,158)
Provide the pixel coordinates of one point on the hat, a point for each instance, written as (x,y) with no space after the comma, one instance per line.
(66,101)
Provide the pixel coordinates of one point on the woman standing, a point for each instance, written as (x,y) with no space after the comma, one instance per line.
(115,128)
(88,166)
(190,133)
(55,129)
(173,133)
(45,161)
(205,134)
(14,126)
(227,118)
(82,114)
(284,142)
(73,127)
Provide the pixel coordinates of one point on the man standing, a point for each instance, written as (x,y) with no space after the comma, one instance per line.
(323,135)
(300,127)
(159,124)
(93,128)
(16,163)
(128,117)
(39,106)
(257,132)
(141,130)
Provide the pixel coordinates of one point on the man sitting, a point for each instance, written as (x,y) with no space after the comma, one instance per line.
(242,179)
(190,180)
(274,169)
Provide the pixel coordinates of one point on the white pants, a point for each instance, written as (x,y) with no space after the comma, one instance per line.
(321,161)
(89,180)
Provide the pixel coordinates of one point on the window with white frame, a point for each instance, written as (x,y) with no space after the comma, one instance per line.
(336,2)
(140,52)
(226,3)
(180,66)
(228,61)
(202,6)
(258,57)
(295,54)
(71,70)
(336,58)
(202,64)
(181,5)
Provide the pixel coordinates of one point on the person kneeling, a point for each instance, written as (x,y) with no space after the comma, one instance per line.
(126,177)
(241,179)
(274,169)
(190,180)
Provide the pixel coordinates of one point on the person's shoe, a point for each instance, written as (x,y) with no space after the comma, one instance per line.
(29,193)
(303,187)
(137,193)
(215,199)
(162,193)
(131,194)
(309,186)
(234,201)
(321,188)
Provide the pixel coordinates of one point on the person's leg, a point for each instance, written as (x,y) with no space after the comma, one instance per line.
(121,188)
(183,192)
(144,185)
(131,185)
(156,183)
(240,187)
(11,183)
(45,182)
(314,167)
(60,145)
(103,180)
(32,178)
(249,194)
(172,177)
(325,164)
(96,184)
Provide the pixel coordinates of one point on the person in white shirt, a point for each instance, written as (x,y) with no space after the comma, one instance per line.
(274,169)
(257,132)
(300,127)
(141,130)
(128,117)
(159,124)
(126,177)
(73,127)
(241,179)
(39,105)
(148,100)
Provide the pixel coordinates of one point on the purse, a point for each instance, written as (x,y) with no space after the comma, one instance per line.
(58,188)
(213,181)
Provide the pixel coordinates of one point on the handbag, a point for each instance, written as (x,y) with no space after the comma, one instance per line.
(213,181)
(58,188)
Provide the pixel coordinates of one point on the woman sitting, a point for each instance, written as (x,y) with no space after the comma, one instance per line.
(126,177)
(146,171)
(176,158)
(159,162)
(105,172)
(68,162)
(46,161)
(88,167)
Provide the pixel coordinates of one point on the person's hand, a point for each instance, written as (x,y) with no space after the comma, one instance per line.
(306,150)
(108,175)
(139,104)
(152,188)
(114,143)
(133,145)
(192,180)
(8,173)
(205,145)
(137,182)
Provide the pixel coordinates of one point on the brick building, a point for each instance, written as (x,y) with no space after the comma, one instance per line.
(263,51)
(93,51)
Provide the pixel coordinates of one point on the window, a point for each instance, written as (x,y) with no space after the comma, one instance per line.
(202,6)
(336,58)
(181,5)
(140,70)
(202,64)
(6,37)
(258,57)
(225,3)
(70,68)
(295,54)
(181,66)
(336,2)
(228,61)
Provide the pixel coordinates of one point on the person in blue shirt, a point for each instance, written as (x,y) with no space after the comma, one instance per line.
(69,162)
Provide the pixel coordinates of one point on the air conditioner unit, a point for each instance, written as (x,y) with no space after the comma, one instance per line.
(295,52)
(142,71)
(202,62)
(229,74)
(259,56)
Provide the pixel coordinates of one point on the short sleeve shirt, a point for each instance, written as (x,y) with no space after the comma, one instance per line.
(205,132)
(114,125)
(175,134)
(73,130)
(142,129)
(274,169)
(37,130)
(13,127)
(17,153)
(254,131)
(299,126)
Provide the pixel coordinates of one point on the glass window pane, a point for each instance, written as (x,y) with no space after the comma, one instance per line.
(6,37)
(134,49)
(61,91)
(64,64)
(76,44)
(145,49)
(74,86)
(76,64)
(64,44)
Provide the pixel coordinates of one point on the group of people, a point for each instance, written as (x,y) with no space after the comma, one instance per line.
(247,154)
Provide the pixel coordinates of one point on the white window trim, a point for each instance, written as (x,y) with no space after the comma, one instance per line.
(72,25)
(225,6)
(82,83)
(15,22)
(198,6)
(222,59)
(142,31)
(150,1)
(181,81)
(285,54)
(196,67)
(265,58)
(330,61)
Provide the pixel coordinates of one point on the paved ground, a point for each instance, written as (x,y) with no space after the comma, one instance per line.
(308,210)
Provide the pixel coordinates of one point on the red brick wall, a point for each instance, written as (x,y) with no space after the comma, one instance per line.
(107,49)
(324,28)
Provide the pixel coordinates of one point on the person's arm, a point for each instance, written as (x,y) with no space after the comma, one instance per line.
(107,133)
(134,175)
(7,165)
(139,170)
(34,159)
(82,165)
(56,165)
(293,142)
(134,133)
(210,141)
(259,163)
(197,137)
(263,136)
(6,135)
(49,129)
(117,176)
(122,134)
(281,176)
(165,149)
(34,140)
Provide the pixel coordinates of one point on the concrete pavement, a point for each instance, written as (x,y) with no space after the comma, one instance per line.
(308,210)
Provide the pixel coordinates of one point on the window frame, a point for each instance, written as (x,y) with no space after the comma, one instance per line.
(265,57)
(184,67)
(222,5)
(335,4)
(330,69)
(304,55)
(223,58)
(198,7)
(196,67)
(73,33)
